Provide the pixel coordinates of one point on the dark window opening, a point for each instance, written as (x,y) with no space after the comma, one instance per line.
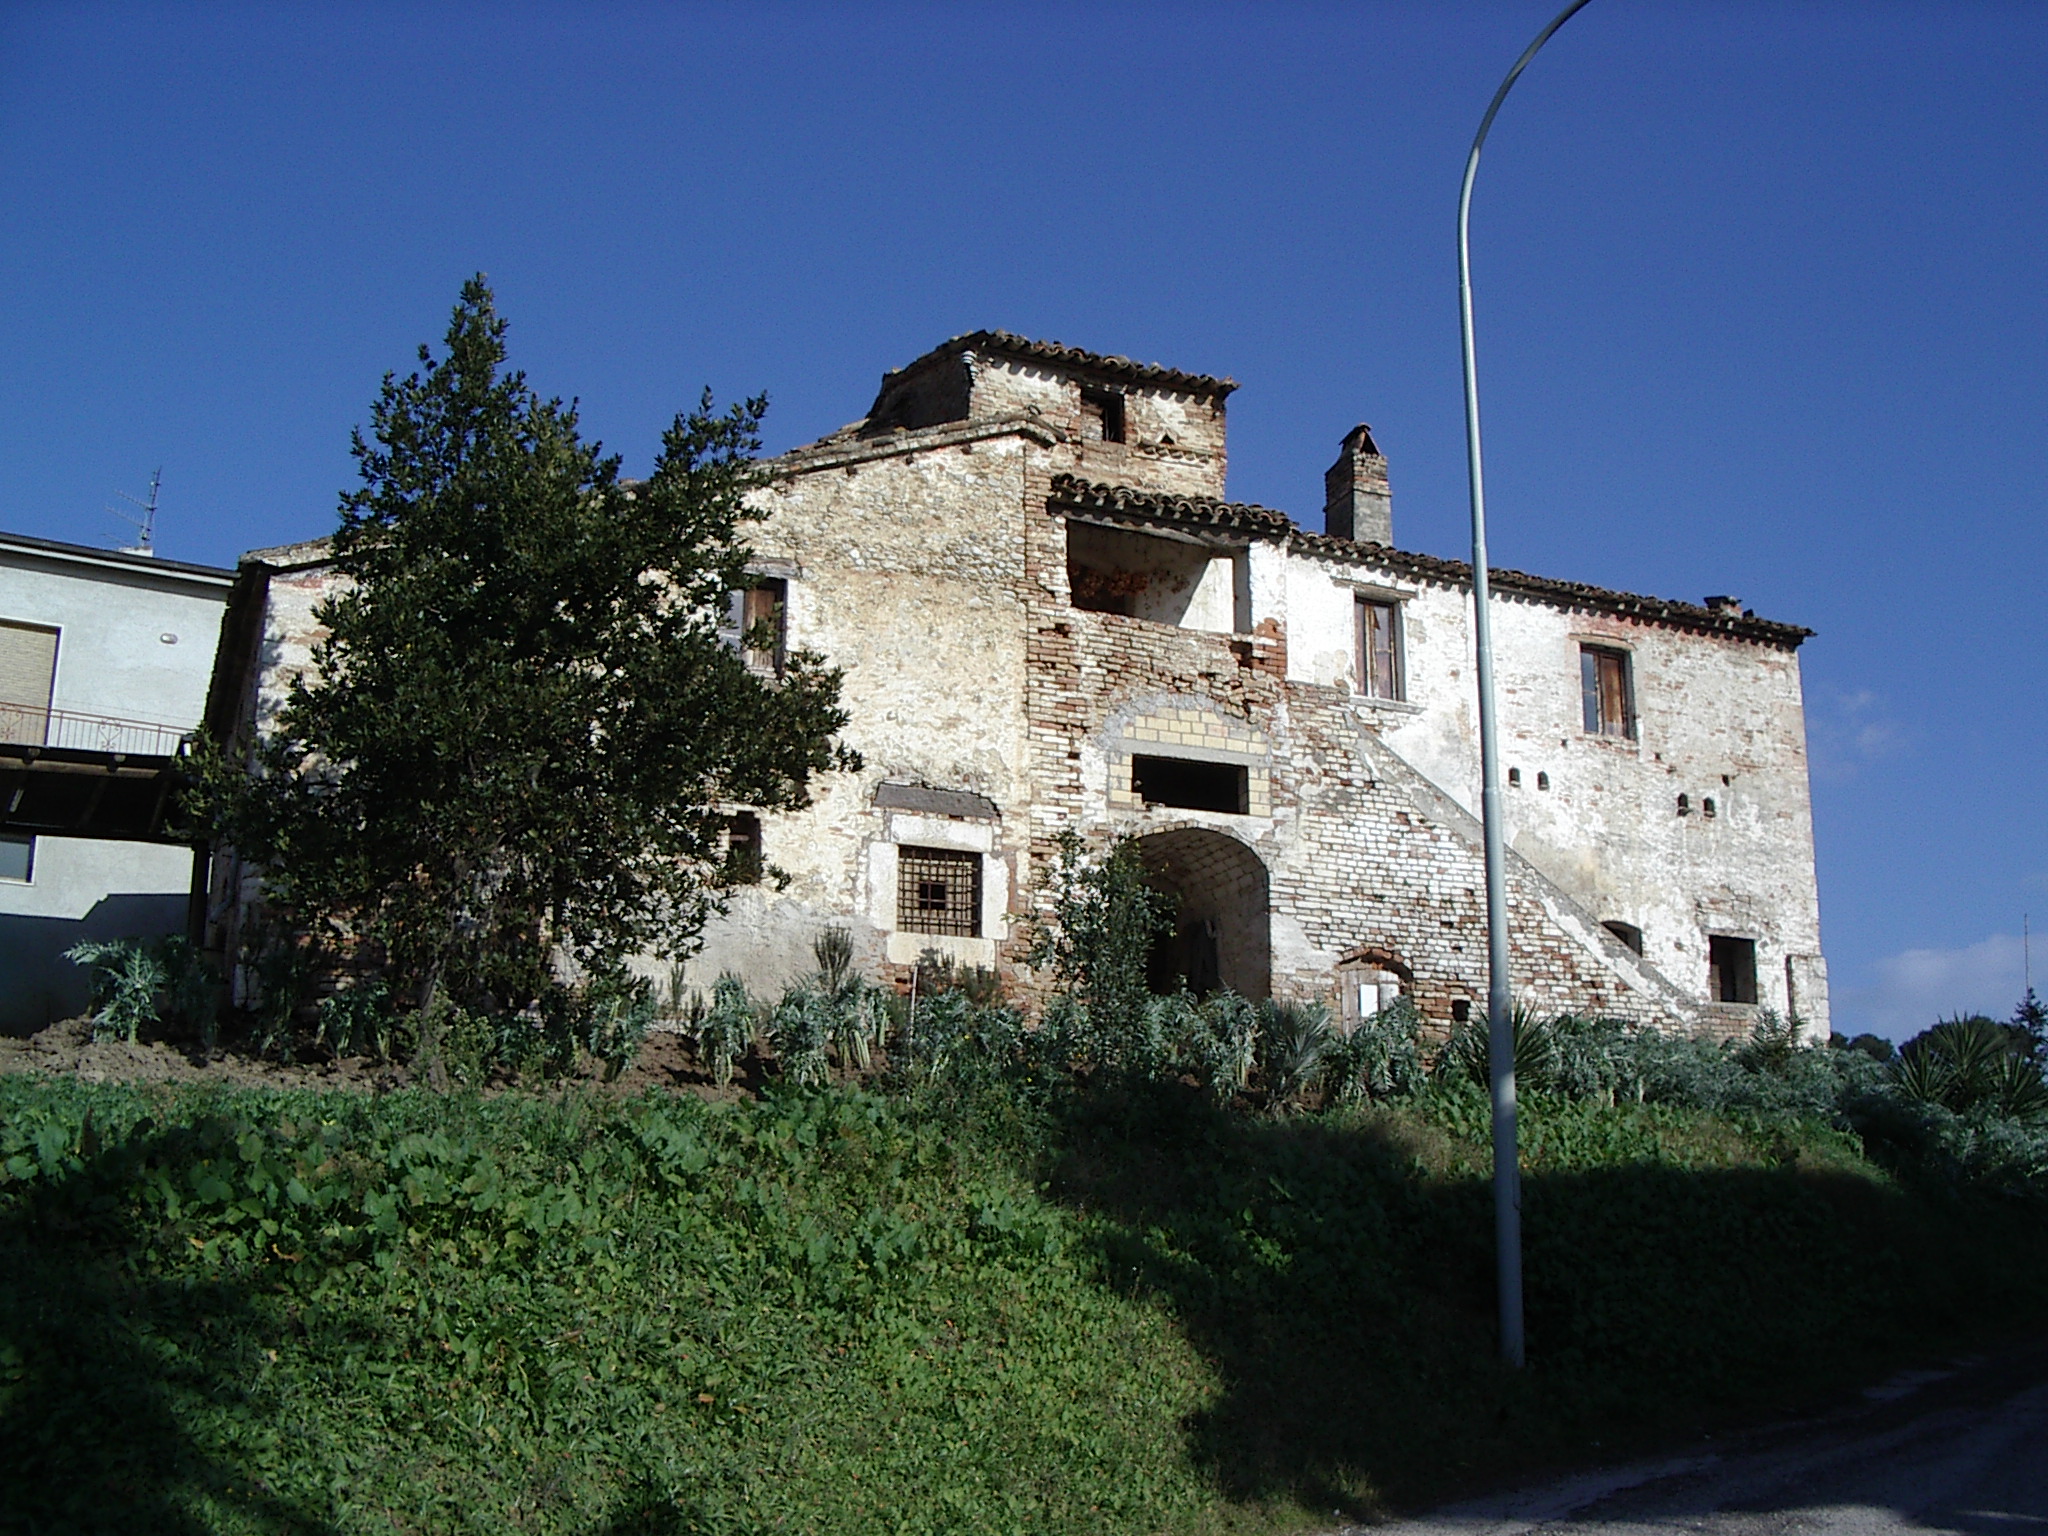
(1731,969)
(1543,781)
(1191,786)
(1628,933)
(1189,956)
(1515,778)
(1461,1012)
(1707,808)
(743,848)
(1379,650)
(758,622)
(1107,406)
(17,856)
(1605,695)
(1685,805)
(938,890)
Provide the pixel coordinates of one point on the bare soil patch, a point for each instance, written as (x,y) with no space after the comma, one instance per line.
(666,1060)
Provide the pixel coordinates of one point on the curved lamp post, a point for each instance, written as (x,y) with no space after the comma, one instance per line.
(1507,1173)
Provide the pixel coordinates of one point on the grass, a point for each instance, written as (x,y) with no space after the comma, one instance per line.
(283,1311)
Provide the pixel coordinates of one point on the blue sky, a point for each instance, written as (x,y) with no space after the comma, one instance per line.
(1760,291)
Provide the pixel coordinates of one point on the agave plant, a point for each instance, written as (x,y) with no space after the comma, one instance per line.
(727,1028)
(125,977)
(801,1030)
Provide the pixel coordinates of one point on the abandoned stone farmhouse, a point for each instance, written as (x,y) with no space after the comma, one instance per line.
(1050,616)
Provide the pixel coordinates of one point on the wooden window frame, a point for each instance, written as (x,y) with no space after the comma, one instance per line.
(1607,692)
(1382,666)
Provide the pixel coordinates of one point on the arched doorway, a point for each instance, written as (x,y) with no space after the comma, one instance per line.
(1221,937)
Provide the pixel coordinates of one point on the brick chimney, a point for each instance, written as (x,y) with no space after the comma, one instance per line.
(1357,501)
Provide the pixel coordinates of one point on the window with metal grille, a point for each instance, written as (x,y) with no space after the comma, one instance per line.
(1379,650)
(938,890)
(1604,692)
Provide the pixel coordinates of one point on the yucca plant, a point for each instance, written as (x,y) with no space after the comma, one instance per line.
(1293,1036)
(1469,1051)
(727,1028)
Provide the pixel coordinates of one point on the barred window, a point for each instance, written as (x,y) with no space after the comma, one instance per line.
(938,890)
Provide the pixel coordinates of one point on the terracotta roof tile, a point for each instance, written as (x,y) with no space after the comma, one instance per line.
(1009,344)
(1072,492)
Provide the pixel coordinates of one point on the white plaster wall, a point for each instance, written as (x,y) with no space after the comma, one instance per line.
(1718,717)
(904,571)
(112,659)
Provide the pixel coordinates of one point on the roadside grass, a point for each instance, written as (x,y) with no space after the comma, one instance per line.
(1123,1310)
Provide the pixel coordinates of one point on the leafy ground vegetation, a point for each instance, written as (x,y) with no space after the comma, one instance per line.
(1134,1277)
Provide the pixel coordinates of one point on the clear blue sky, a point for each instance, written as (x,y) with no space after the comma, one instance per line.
(1761,300)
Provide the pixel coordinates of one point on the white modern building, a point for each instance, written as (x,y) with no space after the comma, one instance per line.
(105,661)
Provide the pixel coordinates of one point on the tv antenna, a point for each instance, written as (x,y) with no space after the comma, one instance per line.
(145,525)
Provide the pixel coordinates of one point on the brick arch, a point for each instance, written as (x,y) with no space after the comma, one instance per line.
(1366,979)
(1222,934)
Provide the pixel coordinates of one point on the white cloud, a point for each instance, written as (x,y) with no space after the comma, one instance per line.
(1918,987)
(1848,730)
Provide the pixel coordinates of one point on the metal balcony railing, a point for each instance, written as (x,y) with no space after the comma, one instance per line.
(34,726)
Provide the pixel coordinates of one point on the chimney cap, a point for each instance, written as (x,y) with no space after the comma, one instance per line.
(1359,439)
(1720,603)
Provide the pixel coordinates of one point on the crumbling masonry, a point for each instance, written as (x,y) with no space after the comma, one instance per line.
(1049,616)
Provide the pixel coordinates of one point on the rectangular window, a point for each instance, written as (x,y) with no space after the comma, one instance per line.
(1604,692)
(17,856)
(758,622)
(1191,786)
(938,890)
(1731,969)
(743,848)
(28,672)
(1379,650)
(1107,407)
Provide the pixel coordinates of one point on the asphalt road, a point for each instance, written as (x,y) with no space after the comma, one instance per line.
(1963,1451)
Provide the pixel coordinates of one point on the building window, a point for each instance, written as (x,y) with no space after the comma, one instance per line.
(1731,969)
(938,890)
(1379,650)
(1191,786)
(1604,690)
(1628,933)
(28,670)
(743,862)
(17,856)
(1106,406)
(757,623)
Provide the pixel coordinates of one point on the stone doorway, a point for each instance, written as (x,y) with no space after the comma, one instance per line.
(1221,938)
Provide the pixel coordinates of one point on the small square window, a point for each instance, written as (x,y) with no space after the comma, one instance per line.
(1605,692)
(1191,786)
(938,890)
(1106,406)
(17,856)
(1379,650)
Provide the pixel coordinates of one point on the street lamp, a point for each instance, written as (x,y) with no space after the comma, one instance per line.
(1507,1173)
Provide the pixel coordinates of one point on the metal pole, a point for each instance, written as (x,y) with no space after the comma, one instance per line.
(1507,1172)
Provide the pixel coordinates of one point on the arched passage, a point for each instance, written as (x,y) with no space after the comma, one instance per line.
(1222,930)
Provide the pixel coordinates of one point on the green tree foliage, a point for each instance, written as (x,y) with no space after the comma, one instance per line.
(511,745)
(1105,918)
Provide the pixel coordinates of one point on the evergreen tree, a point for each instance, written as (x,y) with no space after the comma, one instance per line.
(515,738)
